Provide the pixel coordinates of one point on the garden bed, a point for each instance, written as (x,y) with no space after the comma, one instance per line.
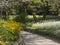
(48,28)
(10,33)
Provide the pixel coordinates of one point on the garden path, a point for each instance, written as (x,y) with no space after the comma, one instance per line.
(34,39)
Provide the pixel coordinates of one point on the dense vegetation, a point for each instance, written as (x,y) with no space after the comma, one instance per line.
(15,18)
(34,7)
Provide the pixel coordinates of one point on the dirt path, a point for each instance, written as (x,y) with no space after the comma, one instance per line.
(34,39)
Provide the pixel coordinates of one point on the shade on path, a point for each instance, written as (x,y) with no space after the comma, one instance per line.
(34,39)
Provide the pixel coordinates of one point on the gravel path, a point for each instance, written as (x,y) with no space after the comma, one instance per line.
(34,39)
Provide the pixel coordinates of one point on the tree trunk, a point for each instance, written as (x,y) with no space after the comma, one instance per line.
(44,16)
(34,17)
(6,16)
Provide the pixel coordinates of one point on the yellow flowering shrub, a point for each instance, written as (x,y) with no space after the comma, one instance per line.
(13,26)
(2,43)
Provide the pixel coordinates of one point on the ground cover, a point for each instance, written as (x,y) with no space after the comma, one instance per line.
(49,28)
(9,32)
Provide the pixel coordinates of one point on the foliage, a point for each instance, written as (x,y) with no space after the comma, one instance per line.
(31,19)
(38,27)
(2,43)
(2,21)
(38,2)
(21,12)
(9,32)
(6,35)
(13,26)
(21,17)
(44,28)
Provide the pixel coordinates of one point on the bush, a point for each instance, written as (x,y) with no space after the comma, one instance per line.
(52,29)
(13,26)
(9,32)
(21,17)
(2,43)
(57,33)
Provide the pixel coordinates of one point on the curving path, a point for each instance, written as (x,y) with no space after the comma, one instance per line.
(34,39)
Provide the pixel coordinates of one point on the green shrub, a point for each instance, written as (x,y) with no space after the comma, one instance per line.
(57,33)
(52,29)
(9,31)
(21,17)
(6,35)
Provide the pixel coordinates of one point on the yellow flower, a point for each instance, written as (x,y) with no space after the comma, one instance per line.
(2,43)
(13,26)
(0,26)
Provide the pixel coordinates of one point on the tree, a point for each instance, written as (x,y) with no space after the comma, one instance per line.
(34,14)
(32,9)
(7,5)
(46,9)
(21,12)
(57,10)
